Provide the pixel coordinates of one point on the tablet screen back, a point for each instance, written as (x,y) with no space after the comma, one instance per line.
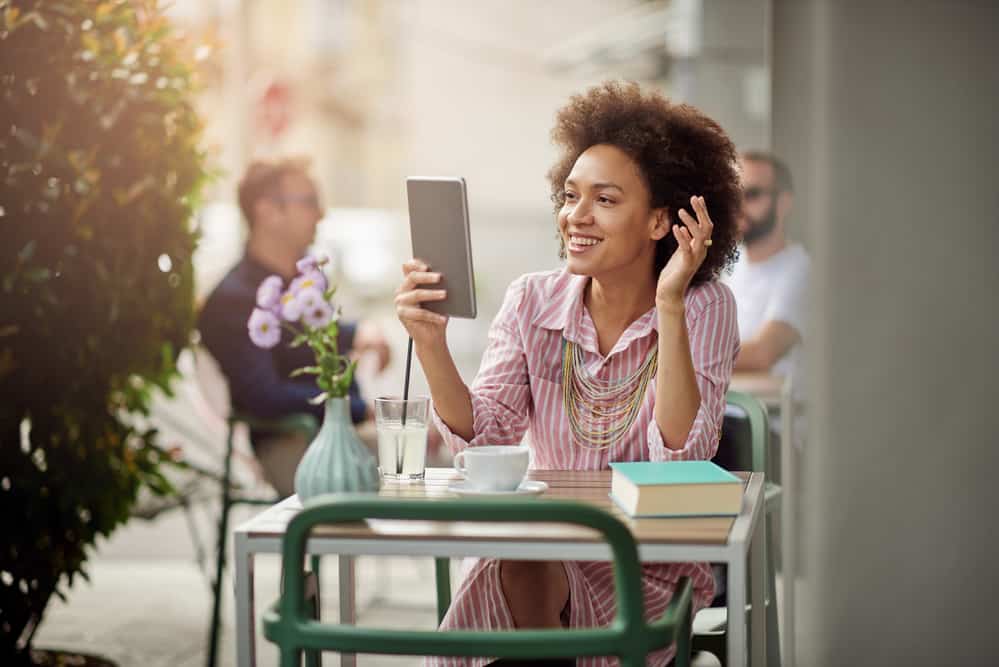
(438,226)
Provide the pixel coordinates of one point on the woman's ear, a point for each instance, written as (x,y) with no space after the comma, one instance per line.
(660,224)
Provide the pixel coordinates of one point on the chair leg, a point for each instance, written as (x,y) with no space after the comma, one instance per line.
(314,657)
(684,640)
(290,657)
(213,639)
(199,548)
(442,573)
(315,562)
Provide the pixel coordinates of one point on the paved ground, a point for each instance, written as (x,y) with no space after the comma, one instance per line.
(148,603)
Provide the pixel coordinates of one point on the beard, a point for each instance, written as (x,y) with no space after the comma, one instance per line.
(761,228)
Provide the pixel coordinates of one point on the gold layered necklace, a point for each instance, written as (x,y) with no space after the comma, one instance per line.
(601,411)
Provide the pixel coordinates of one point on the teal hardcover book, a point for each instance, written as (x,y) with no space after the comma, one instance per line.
(675,488)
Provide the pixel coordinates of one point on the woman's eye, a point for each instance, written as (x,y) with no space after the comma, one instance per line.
(605,200)
(570,196)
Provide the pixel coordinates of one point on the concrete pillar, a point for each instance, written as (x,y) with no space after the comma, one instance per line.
(887,113)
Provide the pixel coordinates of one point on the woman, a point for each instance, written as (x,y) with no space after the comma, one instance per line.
(636,323)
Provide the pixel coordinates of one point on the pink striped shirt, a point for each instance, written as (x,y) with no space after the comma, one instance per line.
(519,385)
(518,389)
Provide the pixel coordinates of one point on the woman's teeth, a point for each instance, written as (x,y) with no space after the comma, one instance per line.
(582,240)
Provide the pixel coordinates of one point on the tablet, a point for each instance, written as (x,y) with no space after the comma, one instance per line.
(438,226)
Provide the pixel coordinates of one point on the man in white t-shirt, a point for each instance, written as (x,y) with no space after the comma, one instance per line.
(770,284)
(770,279)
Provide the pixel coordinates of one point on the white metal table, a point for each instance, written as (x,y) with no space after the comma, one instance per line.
(728,540)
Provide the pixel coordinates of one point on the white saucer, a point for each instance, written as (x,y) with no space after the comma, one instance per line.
(527,488)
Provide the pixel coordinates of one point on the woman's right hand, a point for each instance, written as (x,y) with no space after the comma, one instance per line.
(424,326)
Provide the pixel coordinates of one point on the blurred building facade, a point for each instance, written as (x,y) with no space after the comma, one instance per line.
(376,90)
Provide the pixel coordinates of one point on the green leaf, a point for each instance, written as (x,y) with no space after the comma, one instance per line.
(329,364)
(38,274)
(318,346)
(27,251)
(310,370)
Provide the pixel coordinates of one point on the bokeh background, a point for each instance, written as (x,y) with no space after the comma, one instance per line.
(886,113)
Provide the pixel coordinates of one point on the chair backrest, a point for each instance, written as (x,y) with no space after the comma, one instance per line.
(288,623)
(211,381)
(746,437)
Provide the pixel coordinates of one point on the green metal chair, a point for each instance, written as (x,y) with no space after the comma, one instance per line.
(288,622)
(748,440)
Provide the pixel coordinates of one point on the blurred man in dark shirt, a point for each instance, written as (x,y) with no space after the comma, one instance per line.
(281,206)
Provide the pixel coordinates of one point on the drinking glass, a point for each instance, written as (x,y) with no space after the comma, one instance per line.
(402,436)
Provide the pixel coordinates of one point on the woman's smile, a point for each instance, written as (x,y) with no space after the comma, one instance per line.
(580,243)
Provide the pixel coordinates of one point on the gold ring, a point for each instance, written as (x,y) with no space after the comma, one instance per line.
(707,243)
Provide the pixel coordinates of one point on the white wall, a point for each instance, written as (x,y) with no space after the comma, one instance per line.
(477,100)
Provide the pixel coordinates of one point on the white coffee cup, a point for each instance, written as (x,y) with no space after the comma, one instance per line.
(493,468)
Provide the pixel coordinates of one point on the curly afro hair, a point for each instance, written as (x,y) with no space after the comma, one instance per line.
(680,152)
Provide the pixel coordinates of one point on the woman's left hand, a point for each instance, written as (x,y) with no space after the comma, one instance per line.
(693,239)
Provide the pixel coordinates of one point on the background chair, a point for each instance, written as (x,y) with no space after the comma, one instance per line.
(745,443)
(288,623)
(215,389)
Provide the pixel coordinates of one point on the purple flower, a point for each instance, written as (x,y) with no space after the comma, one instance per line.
(319,278)
(309,297)
(269,292)
(265,328)
(311,263)
(306,264)
(313,278)
(291,309)
(318,316)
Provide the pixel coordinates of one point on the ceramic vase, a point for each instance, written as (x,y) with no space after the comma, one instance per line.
(337,460)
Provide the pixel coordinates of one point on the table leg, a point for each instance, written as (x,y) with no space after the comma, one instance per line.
(347,602)
(736,626)
(789,495)
(758,580)
(246,638)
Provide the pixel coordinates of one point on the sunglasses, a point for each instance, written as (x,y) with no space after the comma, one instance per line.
(312,201)
(754,193)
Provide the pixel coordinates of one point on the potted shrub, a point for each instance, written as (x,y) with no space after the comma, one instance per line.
(100,172)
